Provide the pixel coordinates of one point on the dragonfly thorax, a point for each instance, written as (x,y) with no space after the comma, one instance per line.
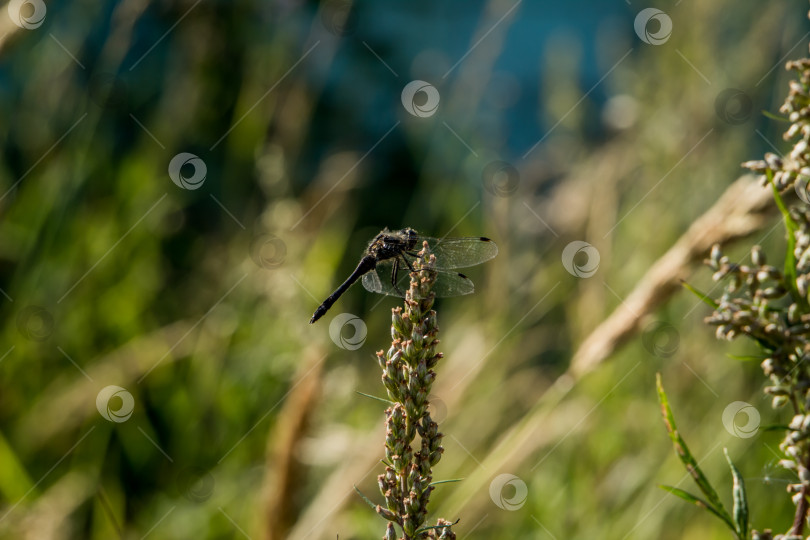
(391,244)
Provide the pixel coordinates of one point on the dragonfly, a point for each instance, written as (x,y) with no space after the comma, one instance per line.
(387,260)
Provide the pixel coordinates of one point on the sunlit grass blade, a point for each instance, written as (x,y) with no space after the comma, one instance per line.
(697,501)
(740,511)
(713,503)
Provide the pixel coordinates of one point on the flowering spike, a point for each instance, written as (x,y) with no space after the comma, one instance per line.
(408,376)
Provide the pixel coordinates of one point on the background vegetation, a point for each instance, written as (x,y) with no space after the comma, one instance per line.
(247,420)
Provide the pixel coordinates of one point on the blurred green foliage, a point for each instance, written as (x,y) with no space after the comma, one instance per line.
(246,419)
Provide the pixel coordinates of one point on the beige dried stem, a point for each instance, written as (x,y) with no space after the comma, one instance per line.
(285,472)
(743,209)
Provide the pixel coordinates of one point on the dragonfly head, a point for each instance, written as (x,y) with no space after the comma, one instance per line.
(410,236)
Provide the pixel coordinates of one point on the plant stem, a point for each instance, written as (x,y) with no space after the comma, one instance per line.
(801,513)
(800,518)
(408,376)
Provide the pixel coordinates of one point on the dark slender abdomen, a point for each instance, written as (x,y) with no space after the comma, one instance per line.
(366,264)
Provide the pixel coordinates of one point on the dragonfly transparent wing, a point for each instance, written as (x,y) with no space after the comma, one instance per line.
(372,283)
(447,283)
(459,252)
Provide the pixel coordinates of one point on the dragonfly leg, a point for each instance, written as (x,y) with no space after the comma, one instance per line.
(410,266)
(395,274)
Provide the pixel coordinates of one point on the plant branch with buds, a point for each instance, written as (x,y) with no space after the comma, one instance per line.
(408,376)
(771,305)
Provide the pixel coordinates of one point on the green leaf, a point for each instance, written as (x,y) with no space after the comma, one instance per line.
(368,501)
(776,427)
(446,481)
(685,495)
(15,483)
(690,463)
(790,257)
(772,116)
(740,499)
(747,358)
(704,297)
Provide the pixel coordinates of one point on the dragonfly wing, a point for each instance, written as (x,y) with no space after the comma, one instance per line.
(371,282)
(447,283)
(452,284)
(460,252)
(379,280)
